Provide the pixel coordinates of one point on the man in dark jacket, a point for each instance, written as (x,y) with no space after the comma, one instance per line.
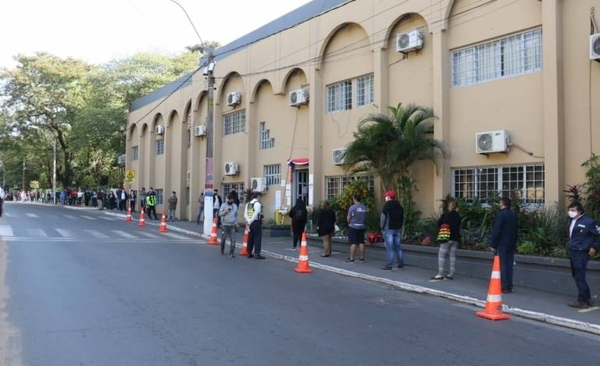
(504,242)
(583,244)
(391,219)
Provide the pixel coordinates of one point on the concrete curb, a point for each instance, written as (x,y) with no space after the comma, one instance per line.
(527,314)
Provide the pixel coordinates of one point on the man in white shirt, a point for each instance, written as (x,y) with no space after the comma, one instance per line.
(253,216)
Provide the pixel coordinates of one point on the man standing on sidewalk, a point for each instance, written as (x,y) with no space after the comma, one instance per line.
(253,216)
(357,214)
(172,206)
(583,243)
(504,242)
(392,217)
(228,213)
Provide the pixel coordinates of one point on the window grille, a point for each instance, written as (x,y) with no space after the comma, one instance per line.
(234,123)
(272,174)
(339,96)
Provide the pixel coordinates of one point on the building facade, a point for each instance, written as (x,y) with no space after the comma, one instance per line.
(513,85)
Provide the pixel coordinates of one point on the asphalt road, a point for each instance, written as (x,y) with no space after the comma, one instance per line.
(84,288)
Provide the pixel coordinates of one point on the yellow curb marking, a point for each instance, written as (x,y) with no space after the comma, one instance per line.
(589,309)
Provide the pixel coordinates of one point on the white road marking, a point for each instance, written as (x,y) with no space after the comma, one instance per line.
(88,217)
(64,233)
(174,236)
(150,235)
(96,234)
(107,218)
(124,234)
(6,230)
(31,215)
(70,217)
(37,233)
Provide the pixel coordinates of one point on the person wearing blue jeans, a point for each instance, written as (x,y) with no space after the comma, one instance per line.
(391,219)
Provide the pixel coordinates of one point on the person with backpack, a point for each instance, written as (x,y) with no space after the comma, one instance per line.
(299,216)
(452,219)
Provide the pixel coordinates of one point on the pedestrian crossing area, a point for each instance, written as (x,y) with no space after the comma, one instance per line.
(85,231)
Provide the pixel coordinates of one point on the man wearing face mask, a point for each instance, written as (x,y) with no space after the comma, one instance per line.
(391,219)
(583,244)
(504,242)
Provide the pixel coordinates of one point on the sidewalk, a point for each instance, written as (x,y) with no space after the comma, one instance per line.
(524,302)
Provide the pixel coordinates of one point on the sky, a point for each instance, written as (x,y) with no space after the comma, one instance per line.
(98,31)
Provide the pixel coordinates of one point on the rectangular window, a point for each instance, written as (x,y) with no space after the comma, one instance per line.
(272,174)
(234,123)
(135,153)
(335,184)
(238,186)
(504,57)
(527,181)
(159,196)
(339,96)
(160,147)
(265,141)
(364,90)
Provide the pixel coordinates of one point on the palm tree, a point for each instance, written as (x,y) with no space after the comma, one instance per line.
(389,145)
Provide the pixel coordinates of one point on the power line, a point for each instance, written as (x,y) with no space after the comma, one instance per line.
(192,23)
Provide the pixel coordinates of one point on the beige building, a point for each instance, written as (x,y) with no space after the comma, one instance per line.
(513,85)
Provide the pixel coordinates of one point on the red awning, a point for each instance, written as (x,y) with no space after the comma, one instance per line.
(298,161)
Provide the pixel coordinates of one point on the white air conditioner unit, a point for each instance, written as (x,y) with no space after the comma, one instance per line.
(298,97)
(337,156)
(595,47)
(491,142)
(409,41)
(231,168)
(159,130)
(258,184)
(233,99)
(200,130)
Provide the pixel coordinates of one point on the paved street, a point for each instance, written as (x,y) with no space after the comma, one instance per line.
(81,287)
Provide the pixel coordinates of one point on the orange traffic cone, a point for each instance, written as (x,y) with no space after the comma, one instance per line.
(142,220)
(303,266)
(163,224)
(213,234)
(493,305)
(128,217)
(244,251)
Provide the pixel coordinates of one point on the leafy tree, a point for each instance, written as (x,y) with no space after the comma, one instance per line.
(389,145)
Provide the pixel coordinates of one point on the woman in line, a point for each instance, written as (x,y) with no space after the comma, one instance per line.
(299,216)
(326,227)
(453,220)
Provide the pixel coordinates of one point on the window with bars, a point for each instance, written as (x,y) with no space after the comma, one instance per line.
(364,90)
(159,196)
(135,153)
(266,142)
(272,173)
(238,186)
(234,123)
(334,185)
(527,181)
(504,57)
(339,96)
(160,146)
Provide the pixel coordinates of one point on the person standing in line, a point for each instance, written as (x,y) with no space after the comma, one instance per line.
(504,242)
(151,204)
(123,200)
(391,220)
(236,200)
(143,195)
(2,198)
(132,199)
(356,228)
(253,216)
(299,215)
(172,206)
(101,198)
(228,213)
(200,208)
(583,244)
(217,201)
(453,220)
(326,227)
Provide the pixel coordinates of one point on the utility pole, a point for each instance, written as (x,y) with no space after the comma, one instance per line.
(23,180)
(209,184)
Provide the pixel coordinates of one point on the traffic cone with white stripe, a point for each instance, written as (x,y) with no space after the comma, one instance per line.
(303,266)
(244,251)
(142,219)
(128,217)
(163,224)
(213,234)
(493,305)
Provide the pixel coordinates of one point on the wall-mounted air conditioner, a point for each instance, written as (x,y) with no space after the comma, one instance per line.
(258,184)
(595,47)
(231,168)
(337,156)
(491,142)
(298,97)
(409,41)
(234,99)
(159,130)
(200,130)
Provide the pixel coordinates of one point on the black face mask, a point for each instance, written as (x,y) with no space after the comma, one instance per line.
(229,202)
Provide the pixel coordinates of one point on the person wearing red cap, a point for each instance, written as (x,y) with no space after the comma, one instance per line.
(391,220)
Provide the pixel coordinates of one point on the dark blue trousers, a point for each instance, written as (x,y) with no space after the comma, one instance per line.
(579,260)
(507,260)
(255,237)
